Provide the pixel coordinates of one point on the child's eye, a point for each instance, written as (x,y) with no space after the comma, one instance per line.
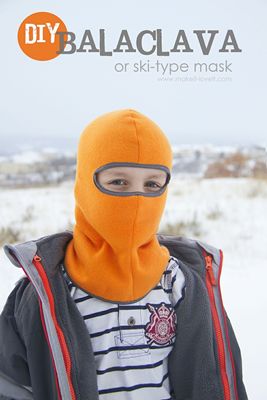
(116,180)
(155,185)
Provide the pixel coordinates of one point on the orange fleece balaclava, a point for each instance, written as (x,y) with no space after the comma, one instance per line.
(114,254)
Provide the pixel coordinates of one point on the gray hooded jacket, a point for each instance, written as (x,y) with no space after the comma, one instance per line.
(45,348)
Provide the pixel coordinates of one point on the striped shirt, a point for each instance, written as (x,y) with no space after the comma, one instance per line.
(131,342)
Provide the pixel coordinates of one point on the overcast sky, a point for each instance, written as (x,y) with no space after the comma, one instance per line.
(58,98)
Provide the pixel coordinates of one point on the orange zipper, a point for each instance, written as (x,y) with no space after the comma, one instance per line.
(66,357)
(209,268)
(210,282)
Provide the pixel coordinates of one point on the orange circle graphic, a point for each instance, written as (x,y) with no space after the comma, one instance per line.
(37,35)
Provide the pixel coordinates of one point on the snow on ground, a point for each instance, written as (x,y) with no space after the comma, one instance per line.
(229,214)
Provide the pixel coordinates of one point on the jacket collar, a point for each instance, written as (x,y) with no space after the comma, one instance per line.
(52,249)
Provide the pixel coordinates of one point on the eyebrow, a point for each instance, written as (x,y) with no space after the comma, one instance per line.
(117,173)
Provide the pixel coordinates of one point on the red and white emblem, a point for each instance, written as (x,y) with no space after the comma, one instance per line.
(162,326)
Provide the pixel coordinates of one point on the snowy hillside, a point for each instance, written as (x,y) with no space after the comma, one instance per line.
(228,213)
(43,166)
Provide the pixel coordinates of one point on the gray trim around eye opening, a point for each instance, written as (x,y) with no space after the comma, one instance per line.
(132,164)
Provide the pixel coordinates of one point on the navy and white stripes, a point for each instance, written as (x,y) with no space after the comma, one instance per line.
(131,342)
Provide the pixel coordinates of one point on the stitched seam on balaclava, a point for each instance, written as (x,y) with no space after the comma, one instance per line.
(138,159)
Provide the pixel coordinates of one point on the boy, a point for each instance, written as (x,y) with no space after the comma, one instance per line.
(113,310)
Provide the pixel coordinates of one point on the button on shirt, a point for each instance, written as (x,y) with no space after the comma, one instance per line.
(131,342)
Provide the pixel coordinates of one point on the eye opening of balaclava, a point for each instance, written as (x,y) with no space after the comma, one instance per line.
(135,165)
(114,254)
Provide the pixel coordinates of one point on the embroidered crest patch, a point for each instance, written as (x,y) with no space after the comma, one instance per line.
(162,325)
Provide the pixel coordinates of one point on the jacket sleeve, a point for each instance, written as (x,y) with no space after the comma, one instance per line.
(242,394)
(15,382)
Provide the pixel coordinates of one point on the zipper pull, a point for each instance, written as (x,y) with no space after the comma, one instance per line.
(209,268)
(37,258)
